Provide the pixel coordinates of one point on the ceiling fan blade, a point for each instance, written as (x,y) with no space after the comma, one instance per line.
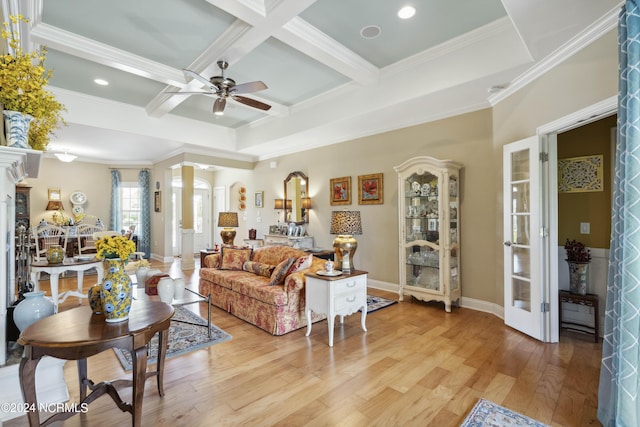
(252,102)
(175,92)
(249,87)
(201,79)
(218,106)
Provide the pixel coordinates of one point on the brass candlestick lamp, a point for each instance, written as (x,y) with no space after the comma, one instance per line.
(227,220)
(345,224)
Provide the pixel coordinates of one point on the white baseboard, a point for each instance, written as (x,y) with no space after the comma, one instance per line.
(474,304)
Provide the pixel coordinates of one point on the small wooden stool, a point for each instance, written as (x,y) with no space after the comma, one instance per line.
(588,300)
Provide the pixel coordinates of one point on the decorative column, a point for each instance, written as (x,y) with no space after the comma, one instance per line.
(187,261)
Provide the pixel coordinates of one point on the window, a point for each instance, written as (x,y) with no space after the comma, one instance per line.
(130,204)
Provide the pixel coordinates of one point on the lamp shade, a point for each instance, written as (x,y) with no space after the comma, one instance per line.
(306,203)
(228,219)
(288,203)
(346,222)
(278,204)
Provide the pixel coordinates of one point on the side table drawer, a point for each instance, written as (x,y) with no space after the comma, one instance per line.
(342,302)
(351,285)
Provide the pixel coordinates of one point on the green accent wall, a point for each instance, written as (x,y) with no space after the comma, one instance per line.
(591,207)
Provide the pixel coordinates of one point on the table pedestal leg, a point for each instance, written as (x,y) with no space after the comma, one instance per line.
(139,376)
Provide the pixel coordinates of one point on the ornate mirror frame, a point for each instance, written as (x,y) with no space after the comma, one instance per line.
(296,187)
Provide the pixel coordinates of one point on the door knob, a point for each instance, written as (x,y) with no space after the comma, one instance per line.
(507,243)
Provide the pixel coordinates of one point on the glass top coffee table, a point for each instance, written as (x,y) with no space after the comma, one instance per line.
(188,297)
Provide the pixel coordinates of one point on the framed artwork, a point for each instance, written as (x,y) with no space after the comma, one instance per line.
(340,191)
(580,174)
(259,199)
(54,194)
(156,201)
(370,189)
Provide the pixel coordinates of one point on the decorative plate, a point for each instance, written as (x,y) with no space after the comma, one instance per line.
(330,274)
(78,198)
(77,210)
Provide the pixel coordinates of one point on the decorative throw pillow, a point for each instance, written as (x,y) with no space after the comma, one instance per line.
(280,272)
(234,259)
(301,263)
(259,268)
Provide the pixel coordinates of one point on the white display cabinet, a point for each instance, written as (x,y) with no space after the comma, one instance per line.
(429,231)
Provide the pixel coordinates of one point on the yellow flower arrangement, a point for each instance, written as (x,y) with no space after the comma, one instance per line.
(23,77)
(115,247)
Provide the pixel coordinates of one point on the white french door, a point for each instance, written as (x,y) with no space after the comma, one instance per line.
(524,239)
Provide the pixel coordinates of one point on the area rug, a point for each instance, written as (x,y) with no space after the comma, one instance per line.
(183,338)
(488,414)
(375,303)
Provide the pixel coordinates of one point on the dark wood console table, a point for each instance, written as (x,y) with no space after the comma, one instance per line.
(77,334)
(588,300)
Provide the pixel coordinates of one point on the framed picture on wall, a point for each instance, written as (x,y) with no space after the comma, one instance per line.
(370,189)
(340,191)
(156,201)
(259,199)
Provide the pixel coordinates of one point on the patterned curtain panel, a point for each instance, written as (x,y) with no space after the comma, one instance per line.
(144,236)
(618,394)
(115,222)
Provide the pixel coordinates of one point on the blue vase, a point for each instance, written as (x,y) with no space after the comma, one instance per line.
(116,291)
(32,308)
(16,126)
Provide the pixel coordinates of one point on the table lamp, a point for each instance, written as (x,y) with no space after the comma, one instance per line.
(227,220)
(345,224)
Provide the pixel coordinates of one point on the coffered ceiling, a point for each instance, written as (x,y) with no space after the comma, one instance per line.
(328,79)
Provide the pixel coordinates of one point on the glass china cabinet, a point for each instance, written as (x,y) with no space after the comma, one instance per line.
(429,215)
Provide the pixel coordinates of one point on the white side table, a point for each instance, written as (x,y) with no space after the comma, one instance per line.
(338,295)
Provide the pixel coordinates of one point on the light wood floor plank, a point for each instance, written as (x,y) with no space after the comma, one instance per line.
(416,366)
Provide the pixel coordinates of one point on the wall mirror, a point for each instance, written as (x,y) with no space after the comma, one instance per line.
(296,190)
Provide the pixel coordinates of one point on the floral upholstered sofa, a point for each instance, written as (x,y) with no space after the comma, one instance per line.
(263,286)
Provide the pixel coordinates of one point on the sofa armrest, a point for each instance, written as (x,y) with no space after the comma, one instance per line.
(212,261)
(295,282)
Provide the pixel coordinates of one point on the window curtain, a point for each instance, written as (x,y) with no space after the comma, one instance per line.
(115,222)
(144,237)
(618,394)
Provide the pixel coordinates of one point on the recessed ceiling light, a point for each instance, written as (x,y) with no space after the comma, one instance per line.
(101,82)
(370,31)
(406,12)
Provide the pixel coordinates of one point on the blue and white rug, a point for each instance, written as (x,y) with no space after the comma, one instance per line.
(489,414)
(183,338)
(375,303)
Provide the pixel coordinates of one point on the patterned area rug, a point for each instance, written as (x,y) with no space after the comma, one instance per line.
(376,303)
(489,414)
(183,338)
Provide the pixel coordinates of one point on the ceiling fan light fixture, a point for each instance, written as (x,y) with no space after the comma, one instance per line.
(65,157)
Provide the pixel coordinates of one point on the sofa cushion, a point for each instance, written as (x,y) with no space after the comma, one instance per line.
(258,268)
(280,272)
(234,259)
(274,255)
(301,263)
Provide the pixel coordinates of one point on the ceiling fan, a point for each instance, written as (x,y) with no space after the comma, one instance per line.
(224,87)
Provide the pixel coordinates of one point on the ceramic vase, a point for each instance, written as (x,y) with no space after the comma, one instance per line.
(95,299)
(116,291)
(33,307)
(16,127)
(141,275)
(166,289)
(578,277)
(55,254)
(179,285)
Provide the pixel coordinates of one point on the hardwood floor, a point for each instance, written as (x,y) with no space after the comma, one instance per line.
(416,366)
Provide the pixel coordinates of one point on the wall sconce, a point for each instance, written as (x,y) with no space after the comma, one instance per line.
(227,220)
(345,224)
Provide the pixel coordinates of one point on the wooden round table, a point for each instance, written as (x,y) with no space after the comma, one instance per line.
(78,333)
